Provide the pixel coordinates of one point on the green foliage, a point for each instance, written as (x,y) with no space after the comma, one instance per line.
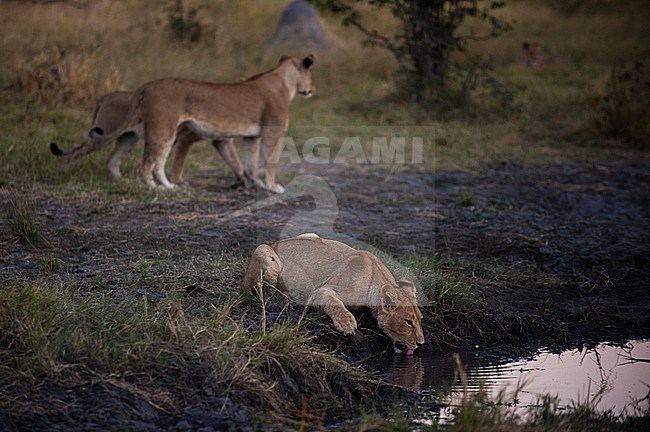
(452,302)
(98,282)
(143,269)
(426,41)
(43,328)
(624,111)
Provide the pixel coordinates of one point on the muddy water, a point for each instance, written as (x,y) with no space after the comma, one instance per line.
(612,377)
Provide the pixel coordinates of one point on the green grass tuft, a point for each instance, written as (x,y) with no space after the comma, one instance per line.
(19,216)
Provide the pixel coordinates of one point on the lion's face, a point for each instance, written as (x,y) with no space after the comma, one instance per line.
(400,317)
(305,84)
(269,263)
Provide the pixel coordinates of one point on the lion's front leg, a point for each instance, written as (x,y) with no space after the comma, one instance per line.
(271,152)
(327,298)
(264,266)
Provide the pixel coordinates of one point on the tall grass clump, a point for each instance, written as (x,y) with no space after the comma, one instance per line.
(43,327)
(19,217)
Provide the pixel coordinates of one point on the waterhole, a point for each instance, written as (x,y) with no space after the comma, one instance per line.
(608,377)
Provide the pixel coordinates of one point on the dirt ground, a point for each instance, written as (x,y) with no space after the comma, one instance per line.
(582,228)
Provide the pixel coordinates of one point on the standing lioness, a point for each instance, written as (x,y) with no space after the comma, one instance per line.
(110,114)
(256,110)
(334,276)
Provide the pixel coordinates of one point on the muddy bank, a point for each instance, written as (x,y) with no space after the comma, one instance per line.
(79,400)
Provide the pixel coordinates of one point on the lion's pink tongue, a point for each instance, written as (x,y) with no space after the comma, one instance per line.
(408,352)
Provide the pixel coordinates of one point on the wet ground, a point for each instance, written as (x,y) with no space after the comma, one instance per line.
(581,231)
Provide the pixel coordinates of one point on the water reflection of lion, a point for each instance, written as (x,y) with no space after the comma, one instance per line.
(408,372)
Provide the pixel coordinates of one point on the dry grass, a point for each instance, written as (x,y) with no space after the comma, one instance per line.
(46,329)
(52,76)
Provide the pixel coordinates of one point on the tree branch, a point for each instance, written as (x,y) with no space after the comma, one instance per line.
(373,34)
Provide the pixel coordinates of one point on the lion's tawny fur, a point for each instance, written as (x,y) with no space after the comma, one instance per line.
(110,114)
(256,110)
(334,276)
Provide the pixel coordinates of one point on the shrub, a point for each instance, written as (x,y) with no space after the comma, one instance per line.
(624,111)
(428,38)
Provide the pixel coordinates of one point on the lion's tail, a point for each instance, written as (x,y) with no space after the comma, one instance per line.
(96,137)
(93,142)
(58,151)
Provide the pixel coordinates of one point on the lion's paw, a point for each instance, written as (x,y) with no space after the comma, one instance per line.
(344,322)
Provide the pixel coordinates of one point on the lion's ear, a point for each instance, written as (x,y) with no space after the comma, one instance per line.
(283,58)
(308,61)
(388,298)
(407,283)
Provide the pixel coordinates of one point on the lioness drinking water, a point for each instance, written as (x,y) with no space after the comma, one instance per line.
(336,277)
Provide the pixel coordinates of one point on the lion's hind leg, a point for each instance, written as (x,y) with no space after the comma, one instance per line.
(327,298)
(123,146)
(251,148)
(226,149)
(159,168)
(185,137)
(153,162)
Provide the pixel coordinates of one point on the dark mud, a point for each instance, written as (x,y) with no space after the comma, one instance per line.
(580,232)
(78,400)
